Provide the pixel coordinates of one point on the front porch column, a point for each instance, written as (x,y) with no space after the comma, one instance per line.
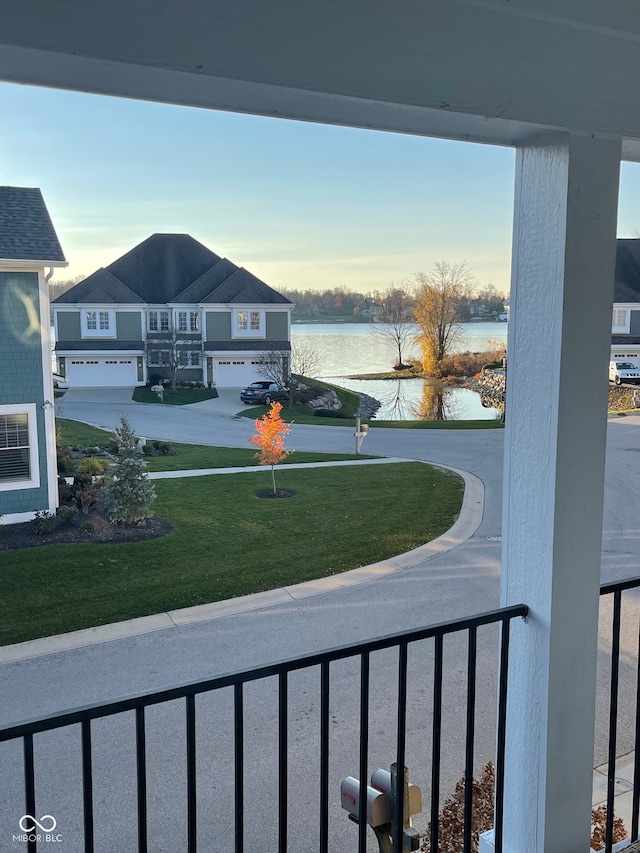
(558,351)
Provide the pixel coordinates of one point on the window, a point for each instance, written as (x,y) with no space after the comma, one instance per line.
(195,359)
(249,324)
(183,358)
(18,447)
(158,321)
(621,321)
(182,321)
(96,324)
(194,321)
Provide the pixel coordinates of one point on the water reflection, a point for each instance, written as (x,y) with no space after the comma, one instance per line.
(437,403)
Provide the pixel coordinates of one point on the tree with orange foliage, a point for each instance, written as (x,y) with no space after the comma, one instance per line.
(269,438)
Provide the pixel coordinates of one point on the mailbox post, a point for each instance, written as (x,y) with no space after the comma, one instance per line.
(380,812)
(360,433)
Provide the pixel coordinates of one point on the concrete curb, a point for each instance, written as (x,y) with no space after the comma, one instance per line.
(464,527)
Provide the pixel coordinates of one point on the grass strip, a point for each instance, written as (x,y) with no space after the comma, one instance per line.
(179,397)
(189,456)
(228,542)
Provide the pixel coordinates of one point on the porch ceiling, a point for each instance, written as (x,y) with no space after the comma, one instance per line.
(485,70)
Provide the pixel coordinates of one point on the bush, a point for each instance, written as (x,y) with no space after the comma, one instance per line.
(329,413)
(86,527)
(155,379)
(85,493)
(165,448)
(67,515)
(43,523)
(65,462)
(66,492)
(92,466)
(148,449)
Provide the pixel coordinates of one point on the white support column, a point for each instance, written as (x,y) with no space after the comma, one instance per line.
(559,339)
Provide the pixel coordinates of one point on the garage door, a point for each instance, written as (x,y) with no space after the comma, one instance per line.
(102,372)
(235,372)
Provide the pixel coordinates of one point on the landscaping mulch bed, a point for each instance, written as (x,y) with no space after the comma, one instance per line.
(15,536)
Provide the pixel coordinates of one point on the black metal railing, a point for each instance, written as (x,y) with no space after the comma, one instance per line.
(362,653)
(629,683)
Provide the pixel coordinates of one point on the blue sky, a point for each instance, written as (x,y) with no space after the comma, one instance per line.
(299,204)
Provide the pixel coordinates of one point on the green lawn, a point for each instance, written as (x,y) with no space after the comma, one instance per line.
(299,416)
(180,397)
(188,455)
(228,542)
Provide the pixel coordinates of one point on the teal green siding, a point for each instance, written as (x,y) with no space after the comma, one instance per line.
(218,325)
(128,326)
(22,381)
(68,326)
(277,326)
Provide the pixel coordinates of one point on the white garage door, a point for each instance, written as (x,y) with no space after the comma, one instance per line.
(235,372)
(102,372)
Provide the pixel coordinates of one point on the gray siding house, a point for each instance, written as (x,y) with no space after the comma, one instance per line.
(625,324)
(170,304)
(28,245)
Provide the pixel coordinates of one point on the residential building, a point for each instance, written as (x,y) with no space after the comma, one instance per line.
(170,306)
(625,323)
(28,245)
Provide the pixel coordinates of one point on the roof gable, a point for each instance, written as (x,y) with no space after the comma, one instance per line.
(100,286)
(207,282)
(243,286)
(26,230)
(162,266)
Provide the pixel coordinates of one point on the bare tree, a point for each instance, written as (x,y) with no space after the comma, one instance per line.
(286,368)
(395,321)
(173,353)
(439,297)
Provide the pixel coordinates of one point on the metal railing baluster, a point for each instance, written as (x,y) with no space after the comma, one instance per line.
(141,778)
(87,786)
(192,815)
(282,762)
(470,740)
(502,734)
(29,786)
(324,757)
(613,718)
(436,741)
(364,748)
(238,741)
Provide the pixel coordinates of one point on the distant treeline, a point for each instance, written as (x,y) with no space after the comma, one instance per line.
(344,304)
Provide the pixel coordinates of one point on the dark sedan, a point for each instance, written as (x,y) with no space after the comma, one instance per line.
(263,393)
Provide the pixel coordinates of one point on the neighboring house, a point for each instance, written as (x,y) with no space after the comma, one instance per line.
(28,244)
(170,304)
(625,324)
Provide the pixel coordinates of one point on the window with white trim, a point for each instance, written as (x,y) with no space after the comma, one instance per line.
(97,323)
(194,321)
(18,448)
(182,321)
(621,321)
(249,324)
(158,321)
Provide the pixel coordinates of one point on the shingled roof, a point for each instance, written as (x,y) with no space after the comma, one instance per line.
(172,268)
(26,230)
(627,279)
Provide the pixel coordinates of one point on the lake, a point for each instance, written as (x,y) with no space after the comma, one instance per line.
(351,348)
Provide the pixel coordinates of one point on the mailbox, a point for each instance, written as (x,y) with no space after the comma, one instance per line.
(378,811)
(381,781)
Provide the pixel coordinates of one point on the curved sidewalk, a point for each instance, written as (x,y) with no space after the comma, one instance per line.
(463,528)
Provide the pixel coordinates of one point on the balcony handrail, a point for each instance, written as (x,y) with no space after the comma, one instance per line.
(242,676)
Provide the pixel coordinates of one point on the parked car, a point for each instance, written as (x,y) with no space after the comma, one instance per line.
(623,371)
(264,393)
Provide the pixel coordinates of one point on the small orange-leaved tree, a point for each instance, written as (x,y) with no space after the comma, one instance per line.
(269,438)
